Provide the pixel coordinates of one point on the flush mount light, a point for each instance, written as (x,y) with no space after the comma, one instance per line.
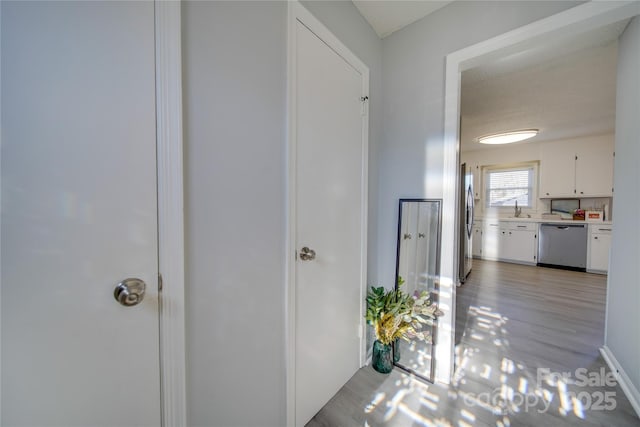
(508,137)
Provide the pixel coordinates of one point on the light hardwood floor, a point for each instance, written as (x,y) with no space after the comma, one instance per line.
(514,324)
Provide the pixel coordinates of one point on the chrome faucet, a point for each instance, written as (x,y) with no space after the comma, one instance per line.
(518,211)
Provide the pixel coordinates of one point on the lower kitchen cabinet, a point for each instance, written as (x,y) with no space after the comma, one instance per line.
(510,241)
(598,248)
(491,240)
(519,242)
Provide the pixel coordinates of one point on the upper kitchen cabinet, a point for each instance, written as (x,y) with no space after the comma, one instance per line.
(577,168)
(477,179)
(594,169)
(557,170)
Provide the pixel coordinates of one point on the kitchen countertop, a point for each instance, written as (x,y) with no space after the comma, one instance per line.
(545,221)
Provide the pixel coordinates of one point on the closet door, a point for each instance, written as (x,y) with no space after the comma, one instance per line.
(79,215)
(330,183)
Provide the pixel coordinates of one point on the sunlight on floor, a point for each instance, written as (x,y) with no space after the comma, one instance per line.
(510,369)
(500,391)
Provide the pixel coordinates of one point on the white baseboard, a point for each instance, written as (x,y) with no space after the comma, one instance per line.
(626,385)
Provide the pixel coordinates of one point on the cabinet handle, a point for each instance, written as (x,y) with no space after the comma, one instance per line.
(604,229)
(595,237)
(547,194)
(522,226)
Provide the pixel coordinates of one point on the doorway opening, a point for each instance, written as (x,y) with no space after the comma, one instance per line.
(568,25)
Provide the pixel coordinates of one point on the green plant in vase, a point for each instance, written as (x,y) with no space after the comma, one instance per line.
(396,315)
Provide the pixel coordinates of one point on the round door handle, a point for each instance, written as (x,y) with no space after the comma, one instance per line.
(130,292)
(307,254)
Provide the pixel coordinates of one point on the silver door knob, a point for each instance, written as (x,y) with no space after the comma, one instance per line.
(307,254)
(130,292)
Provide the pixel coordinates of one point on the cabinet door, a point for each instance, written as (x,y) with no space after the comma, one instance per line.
(505,251)
(477,180)
(522,245)
(594,169)
(491,240)
(599,258)
(476,245)
(557,170)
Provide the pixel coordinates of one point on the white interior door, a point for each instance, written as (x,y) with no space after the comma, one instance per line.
(79,214)
(330,202)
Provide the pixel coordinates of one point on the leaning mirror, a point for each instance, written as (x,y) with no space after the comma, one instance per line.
(418,269)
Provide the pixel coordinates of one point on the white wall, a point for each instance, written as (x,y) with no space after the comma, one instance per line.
(528,152)
(411,154)
(234,84)
(234,69)
(622,335)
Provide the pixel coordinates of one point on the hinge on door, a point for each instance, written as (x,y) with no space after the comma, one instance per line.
(363,109)
(159,282)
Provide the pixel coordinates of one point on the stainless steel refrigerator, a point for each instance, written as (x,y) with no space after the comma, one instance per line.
(466,223)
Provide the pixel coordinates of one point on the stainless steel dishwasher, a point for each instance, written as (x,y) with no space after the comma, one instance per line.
(563,245)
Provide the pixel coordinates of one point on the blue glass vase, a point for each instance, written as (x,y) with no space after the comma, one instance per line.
(382,359)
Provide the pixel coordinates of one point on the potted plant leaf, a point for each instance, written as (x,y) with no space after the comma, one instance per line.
(395,315)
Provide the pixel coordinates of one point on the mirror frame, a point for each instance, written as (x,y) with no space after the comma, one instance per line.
(436,290)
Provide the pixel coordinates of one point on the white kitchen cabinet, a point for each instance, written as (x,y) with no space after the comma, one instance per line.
(476,244)
(476,171)
(518,242)
(510,241)
(594,170)
(557,170)
(598,248)
(577,168)
(491,240)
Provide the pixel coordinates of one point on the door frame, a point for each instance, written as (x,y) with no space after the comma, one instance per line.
(298,13)
(169,152)
(168,67)
(574,21)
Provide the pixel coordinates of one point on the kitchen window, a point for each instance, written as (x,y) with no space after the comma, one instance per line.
(504,186)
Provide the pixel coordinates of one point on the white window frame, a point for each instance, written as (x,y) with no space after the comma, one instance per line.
(533,198)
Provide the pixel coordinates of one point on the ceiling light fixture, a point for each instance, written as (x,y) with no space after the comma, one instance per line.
(508,137)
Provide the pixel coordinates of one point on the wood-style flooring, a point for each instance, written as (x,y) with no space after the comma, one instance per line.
(518,328)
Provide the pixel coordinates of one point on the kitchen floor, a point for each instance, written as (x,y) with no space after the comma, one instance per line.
(527,354)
